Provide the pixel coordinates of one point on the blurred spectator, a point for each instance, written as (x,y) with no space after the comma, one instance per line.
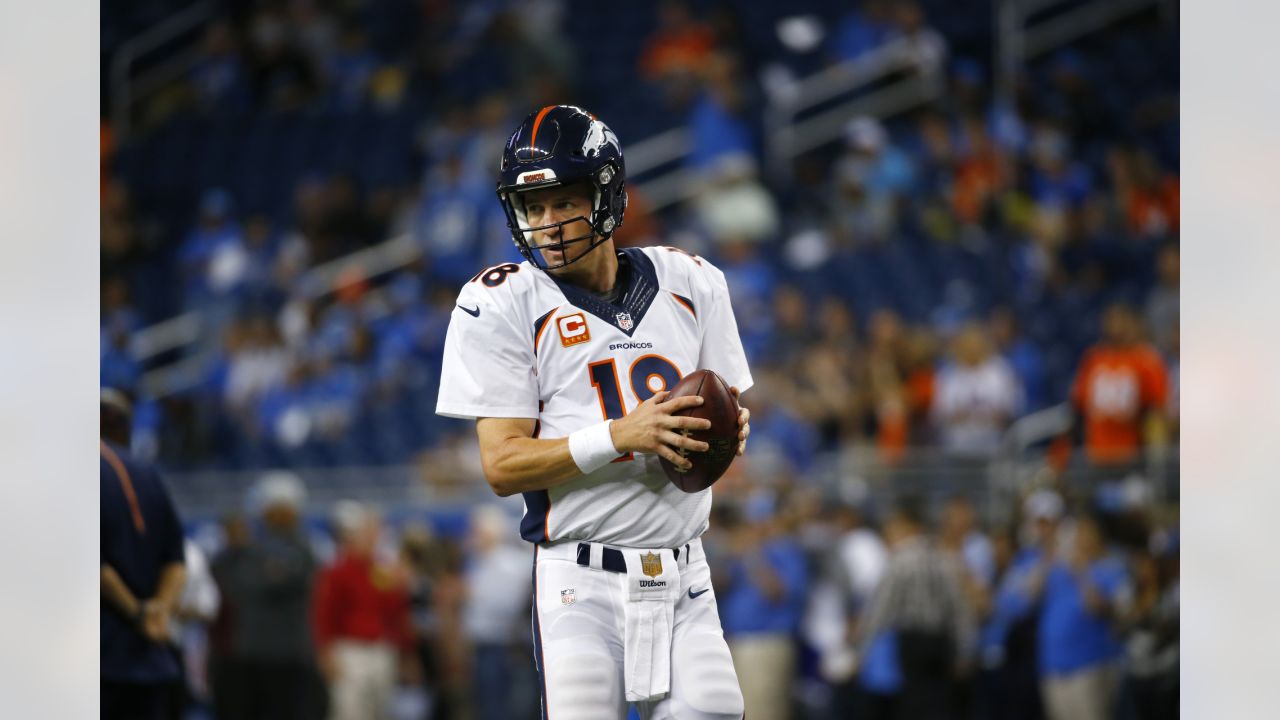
(141,575)
(349,69)
(211,256)
(972,554)
(197,608)
(446,221)
(676,53)
(219,78)
(924,46)
(435,591)
(982,172)
(226,665)
(266,664)
(719,121)
(1162,309)
(920,383)
(857,563)
(284,79)
(920,601)
(761,607)
(960,535)
(495,617)
(1120,391)
(1023,355)
(1150,197)
(861,30)
(116,366)
(751,279)
(885,383)
(781,439)
(1086,594)
(258,363)
(871,178)
(977,395)
(362,625)
(1010,681)
(1151,649)
(345,223)
(733,205)
(1056,182)
(791,328)
(996,688)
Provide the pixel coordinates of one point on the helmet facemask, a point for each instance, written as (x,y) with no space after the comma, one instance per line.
(605,186)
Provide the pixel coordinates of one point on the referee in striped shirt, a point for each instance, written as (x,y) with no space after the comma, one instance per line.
(920,602)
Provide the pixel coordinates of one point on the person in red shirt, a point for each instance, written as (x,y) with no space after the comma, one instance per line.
(1120,392)
(363,632)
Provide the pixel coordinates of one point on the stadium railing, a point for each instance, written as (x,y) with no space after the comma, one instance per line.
(443,481)
(1027,29)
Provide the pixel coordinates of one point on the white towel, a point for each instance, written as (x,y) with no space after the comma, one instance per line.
(650,618)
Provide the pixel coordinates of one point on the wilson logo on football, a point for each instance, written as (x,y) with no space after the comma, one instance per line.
(573,329)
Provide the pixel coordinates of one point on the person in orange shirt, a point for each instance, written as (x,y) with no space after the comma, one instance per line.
(1120,392)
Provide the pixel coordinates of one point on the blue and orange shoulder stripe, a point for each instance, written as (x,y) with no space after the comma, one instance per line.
(540,326)
(685,302)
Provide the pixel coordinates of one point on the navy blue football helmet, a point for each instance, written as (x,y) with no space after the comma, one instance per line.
(562,145)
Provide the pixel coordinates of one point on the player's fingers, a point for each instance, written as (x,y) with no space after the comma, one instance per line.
(674,457)
(678,440)
(744,416)
(684,422)
(659,396)
(734,392)
(682,403)
(744,432)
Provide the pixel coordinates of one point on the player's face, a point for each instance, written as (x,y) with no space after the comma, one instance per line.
(556,205)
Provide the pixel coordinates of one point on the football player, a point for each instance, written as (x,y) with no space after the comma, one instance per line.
(564,360)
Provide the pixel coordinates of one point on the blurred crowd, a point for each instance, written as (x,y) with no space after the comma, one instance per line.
(925,279)
(833,608)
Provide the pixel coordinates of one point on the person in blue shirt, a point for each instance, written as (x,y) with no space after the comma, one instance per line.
(1083,595)
(1084,598)
(142,575)
(1009,687)
(762,605)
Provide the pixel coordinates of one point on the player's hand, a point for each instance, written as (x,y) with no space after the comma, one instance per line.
(652,428)
(744,425)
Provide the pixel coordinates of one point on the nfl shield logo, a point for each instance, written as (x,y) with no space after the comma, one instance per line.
(568,597)
(651,564)
(624,321)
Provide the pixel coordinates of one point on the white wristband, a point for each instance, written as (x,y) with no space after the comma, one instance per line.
(592,447)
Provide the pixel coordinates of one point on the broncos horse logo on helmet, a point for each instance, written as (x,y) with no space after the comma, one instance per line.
(562,145)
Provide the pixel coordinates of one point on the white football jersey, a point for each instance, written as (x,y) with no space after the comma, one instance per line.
(522,344)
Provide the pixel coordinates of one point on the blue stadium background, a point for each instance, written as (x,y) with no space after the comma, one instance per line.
(293,192)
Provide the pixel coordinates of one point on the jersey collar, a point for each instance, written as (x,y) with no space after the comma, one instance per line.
(642,288)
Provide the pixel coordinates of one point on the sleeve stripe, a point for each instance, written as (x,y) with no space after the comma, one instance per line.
(686,302)
(539,326)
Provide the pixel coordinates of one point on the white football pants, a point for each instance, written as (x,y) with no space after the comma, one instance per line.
(579,635)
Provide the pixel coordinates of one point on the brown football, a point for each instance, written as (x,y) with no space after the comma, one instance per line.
(718,406)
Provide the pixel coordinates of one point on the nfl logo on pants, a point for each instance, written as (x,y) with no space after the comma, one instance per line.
(651,564)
